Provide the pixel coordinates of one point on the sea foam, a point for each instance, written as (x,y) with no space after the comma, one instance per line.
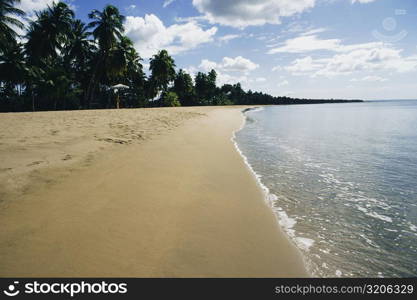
(286,223)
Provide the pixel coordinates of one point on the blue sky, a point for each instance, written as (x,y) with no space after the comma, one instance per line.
(302,48)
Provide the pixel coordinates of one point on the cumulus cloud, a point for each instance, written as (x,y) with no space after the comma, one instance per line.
(342,58)
(224,78)
(243,13)
(378,58)
(208,65)
(29,6)
(238,64)
(303,66)
(246,81)
(228,64)
(230,70)
(149,35)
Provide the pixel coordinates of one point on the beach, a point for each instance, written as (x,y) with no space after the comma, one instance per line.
(157,192)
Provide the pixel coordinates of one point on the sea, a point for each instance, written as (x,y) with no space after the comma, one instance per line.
(342,182)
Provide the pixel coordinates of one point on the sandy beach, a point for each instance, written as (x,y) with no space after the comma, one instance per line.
(134,193)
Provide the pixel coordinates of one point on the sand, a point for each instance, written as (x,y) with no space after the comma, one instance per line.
(134,193)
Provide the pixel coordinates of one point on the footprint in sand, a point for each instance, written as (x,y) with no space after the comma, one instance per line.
(35,163)
(67,157)
(115,140)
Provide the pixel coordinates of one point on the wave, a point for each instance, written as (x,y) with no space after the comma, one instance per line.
(285,222)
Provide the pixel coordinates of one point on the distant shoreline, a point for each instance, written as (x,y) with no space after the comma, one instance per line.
(289,101)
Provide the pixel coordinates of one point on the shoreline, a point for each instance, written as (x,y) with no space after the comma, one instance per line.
(203,220)
(269,197)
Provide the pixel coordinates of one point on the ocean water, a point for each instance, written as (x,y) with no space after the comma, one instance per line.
(342,181)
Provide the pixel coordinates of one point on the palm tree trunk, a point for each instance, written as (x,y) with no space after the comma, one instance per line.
(33,100)
(91,85)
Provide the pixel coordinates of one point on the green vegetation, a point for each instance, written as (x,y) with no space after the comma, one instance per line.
(171,99)
(66,64)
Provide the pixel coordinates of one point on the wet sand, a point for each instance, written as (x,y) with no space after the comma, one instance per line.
(159,193)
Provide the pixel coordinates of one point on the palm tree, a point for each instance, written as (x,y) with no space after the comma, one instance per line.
(132,74)
(13,67)
(78,54)
(34,76)
(108,31)
(79,48)
(49,32)
(7,33)
(162,66)
(134,69)
(184,88)
(47,37)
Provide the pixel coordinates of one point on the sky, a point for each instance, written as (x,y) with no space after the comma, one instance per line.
(351,49)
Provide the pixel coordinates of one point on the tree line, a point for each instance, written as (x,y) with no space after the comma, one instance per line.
(62,63)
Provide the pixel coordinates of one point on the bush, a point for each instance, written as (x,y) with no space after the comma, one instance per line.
(171,99)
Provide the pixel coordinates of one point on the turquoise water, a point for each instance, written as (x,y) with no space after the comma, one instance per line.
(342,180)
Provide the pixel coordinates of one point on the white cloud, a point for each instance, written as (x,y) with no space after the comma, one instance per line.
(224,78)
(228,37)
(283,83)
(208,65)
(167,2)
(238,64)
(191,70)
(303,66)
(306,43)
(150,35)
(378,58)
(362,1)
(247,82)
(131,7)
(314,31)
(230,70)
(370,79)
(381,58)
(29,6)
(348,58)
(276,68)
(243,13)
(312,43)
(296,27)
(228,64)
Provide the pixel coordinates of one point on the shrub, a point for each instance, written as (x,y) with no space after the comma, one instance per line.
(171,99)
